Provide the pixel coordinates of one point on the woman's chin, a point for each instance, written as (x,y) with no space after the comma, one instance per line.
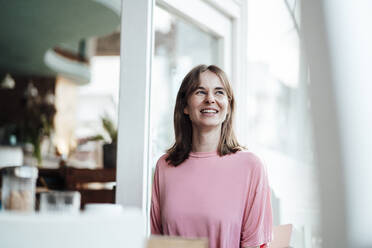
(209,125)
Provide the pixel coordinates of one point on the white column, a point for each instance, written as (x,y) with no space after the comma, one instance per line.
(350,42)
(338,40)
(326,125)
(135,70)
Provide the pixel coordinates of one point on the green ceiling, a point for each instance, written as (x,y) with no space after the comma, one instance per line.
(28,28)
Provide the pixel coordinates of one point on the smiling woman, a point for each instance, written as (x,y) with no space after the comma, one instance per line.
(201,89)
(206,186)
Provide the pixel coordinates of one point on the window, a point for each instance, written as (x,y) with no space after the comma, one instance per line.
(278,115)
(278,108)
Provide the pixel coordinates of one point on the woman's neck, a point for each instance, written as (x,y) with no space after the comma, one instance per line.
(205,140)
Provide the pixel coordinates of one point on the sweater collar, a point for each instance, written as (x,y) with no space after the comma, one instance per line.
(203,154)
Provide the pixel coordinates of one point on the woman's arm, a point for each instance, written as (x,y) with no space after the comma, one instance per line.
(155,213)
(257,218)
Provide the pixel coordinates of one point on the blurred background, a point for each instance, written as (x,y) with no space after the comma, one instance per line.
(59,93)
(299,70)
(59,72)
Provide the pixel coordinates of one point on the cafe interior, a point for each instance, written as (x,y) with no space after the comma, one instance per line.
(87,91)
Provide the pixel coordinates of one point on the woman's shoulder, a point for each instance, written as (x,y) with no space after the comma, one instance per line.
(162,161)
(248,158)
(250,163)
(246,154)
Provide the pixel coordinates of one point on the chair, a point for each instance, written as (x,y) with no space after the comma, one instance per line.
(156,241)
(68,178)
(76,178)
(282,236)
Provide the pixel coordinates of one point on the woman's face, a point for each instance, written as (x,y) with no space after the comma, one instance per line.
(208,105)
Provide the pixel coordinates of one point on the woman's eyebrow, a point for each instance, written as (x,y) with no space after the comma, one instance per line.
(217,88)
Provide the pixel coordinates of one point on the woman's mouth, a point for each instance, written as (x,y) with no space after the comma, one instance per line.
(209,112)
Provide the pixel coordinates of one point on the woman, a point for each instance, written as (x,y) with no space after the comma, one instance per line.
(206,185)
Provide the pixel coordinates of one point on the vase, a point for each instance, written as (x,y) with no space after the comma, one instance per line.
(109,155)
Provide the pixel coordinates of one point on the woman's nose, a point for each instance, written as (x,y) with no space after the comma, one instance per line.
(210,98)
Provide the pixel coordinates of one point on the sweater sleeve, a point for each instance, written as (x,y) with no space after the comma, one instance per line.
(155,214)
(257,219)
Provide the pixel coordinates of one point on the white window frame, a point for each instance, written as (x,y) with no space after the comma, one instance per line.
(214,22)
(133,121)
(221,18)
(227,20)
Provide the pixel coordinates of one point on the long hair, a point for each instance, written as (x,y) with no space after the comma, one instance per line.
(228,143)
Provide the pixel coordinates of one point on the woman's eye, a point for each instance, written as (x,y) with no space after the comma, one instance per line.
(200,92)
(220,92)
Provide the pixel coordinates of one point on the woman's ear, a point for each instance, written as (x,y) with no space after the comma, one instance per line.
(186,111)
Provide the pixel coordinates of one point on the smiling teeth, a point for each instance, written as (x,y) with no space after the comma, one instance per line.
(209,111)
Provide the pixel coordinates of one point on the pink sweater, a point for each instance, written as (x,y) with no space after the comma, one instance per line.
(225,199)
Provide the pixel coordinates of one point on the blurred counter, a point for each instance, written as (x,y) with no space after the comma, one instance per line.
(73,231)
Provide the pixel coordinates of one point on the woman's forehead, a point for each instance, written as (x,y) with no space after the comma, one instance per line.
(209,79)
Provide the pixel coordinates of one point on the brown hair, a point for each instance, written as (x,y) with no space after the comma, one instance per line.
(228,143)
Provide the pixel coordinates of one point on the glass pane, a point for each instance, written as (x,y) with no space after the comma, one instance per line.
(279,116)
(179,46)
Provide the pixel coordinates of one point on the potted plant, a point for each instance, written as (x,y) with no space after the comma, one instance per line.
(110,146)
